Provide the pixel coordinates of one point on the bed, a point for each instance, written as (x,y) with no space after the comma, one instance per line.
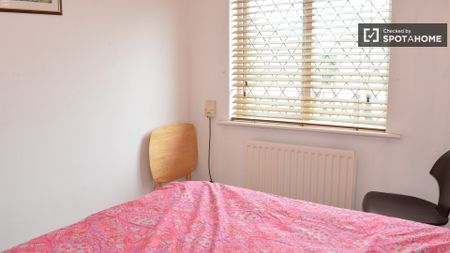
(212,217)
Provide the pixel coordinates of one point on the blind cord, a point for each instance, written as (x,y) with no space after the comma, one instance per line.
(209,152)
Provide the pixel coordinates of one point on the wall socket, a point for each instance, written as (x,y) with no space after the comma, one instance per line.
(210,108)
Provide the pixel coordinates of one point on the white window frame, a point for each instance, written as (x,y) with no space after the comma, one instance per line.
(305,51)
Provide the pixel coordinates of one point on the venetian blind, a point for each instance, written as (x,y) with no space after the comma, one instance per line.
(298,61)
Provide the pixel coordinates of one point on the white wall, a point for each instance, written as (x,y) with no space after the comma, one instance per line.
(419,107)
(78,95)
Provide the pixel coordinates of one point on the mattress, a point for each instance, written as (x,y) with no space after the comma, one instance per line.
(205,217)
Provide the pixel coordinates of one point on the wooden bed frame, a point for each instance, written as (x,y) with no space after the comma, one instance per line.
(173,153)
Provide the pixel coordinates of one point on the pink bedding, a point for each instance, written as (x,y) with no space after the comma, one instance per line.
(204,217)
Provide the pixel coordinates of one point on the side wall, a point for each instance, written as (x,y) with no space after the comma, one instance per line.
(79,94)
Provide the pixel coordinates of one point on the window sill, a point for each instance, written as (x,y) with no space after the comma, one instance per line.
(319,129)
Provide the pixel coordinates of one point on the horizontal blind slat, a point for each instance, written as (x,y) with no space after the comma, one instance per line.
(311,117)
(297,67)
(309,98)
(299,73)
(299,4)
(316,104)
(356,126)
(271,47)
(358,54)
(310,60)
(305,110)
(294,79)
(281,1)
(245,15)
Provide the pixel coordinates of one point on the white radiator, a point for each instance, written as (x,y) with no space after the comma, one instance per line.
(320,175)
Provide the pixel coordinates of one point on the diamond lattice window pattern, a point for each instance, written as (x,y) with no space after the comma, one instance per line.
(298,61)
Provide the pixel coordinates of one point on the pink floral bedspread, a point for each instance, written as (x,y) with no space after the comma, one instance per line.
(204,217)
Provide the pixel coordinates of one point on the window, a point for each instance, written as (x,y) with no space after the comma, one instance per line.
(298,61)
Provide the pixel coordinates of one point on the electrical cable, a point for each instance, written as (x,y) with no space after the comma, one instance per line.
(209,152)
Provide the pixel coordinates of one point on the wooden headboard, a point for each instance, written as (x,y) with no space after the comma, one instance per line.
(173,152)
